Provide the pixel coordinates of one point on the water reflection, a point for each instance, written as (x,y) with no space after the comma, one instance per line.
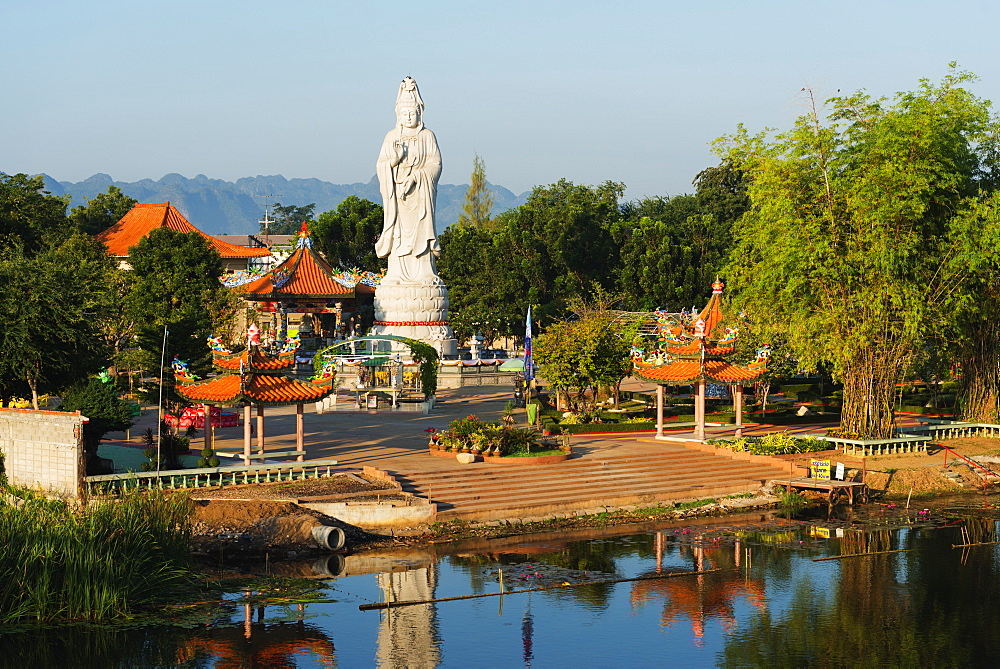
(703,597)
(894,594)
(407,636)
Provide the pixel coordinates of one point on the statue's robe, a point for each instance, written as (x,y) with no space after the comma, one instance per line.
(408,237)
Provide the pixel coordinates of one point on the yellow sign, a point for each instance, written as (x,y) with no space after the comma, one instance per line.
(820,469)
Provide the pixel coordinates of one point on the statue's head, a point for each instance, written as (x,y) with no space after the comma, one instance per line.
(409,105)
(408,116)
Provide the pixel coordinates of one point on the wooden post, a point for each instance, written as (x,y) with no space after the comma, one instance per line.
(299,433)
(738,406)
(659,410)
(247,429)
(260,428)
(699,410)
(206,410)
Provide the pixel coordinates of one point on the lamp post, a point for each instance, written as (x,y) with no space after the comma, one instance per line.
(159,408)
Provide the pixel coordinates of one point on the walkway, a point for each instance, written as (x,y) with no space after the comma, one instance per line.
(605,471)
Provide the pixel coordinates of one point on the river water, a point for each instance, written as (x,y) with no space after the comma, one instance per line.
(898,594)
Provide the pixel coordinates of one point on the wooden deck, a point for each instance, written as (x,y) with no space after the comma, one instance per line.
(834,489)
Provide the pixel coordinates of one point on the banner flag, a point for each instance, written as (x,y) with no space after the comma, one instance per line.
(529,368)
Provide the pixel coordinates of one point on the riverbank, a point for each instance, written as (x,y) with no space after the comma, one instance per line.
(258,525)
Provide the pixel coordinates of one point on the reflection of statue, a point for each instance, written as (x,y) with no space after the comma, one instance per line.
(408,169)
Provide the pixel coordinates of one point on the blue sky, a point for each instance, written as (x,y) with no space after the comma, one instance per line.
(587,91)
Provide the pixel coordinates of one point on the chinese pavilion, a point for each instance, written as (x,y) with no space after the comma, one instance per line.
(306,284)
(257,381)
(694,353)
(143,218)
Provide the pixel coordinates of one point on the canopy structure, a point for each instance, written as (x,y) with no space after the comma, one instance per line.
(694,353)
(305,283)
(258,382)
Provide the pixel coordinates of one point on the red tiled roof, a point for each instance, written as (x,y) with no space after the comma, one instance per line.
(308,275)
(143,218)
(256,389)
(259,361)
(682,372)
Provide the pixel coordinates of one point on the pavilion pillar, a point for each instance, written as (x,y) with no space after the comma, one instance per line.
(738,408)
(699,410)
(206,410)
(299,433)
(260,429)
(659,411)
(247,432)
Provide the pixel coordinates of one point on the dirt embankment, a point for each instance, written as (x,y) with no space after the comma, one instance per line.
(257,519)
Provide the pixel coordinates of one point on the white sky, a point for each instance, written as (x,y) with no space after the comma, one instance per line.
(587,91)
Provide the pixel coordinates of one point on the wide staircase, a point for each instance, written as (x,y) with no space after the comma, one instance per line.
(667,473)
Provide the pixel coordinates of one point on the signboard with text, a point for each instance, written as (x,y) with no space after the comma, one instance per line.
(820,469)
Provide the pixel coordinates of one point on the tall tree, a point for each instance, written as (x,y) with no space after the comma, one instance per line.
(478,206)
(289,218)
(848,245)
(177,287)
(103,211)
(346,236)
(51,305)
(30,217)
(560,243)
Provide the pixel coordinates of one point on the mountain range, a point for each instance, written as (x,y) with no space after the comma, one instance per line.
(226,207)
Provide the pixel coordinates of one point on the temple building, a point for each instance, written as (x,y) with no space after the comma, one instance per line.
(257,380)
(694,353)
(143,218)
(306,293)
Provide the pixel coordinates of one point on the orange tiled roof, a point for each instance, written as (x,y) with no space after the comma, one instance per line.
(259,361)
(254,389)
(683,372)
(304,273)
(143,218)
(693,347)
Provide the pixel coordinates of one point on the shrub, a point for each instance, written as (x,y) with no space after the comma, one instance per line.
(776,443)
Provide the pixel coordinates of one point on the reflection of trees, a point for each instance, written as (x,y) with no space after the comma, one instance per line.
(943,612)
(94,648)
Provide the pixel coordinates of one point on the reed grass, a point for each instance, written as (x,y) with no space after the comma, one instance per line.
(95,562)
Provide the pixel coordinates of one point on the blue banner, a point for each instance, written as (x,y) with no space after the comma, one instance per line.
(529,367)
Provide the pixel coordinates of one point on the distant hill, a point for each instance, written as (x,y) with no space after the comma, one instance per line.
(225,207)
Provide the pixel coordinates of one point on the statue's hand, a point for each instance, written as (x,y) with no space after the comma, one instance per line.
(408,187)
(398,153)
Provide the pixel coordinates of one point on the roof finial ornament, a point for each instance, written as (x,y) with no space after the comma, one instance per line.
(717,286)
(304,237)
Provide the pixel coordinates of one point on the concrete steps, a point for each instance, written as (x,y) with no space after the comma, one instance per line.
(496,491)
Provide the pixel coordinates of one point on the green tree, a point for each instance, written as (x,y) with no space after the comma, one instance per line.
(103,211)
(289,218)
(99,402)
(346,236)
(51,306)
(478,206)
(584,354)
(559,244)
(177,287)
(848,245)
(483,293)
(30,217)
(671,248)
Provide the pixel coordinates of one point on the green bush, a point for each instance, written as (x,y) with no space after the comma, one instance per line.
(776,443)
